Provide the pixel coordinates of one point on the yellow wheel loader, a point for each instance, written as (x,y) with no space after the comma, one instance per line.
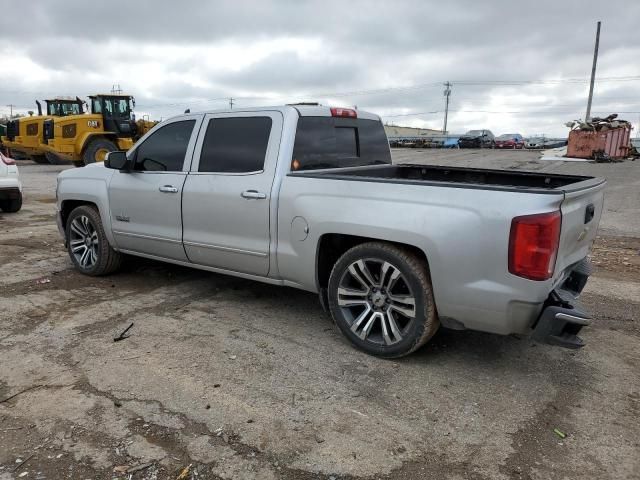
(85,139)
(25,134)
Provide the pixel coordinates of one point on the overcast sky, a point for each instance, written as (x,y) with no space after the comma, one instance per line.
(514,68)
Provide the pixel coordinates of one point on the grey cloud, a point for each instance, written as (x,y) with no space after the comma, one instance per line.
(374,23)
(288,71)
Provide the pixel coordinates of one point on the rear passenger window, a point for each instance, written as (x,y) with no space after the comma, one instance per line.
(235,145)
(165,149)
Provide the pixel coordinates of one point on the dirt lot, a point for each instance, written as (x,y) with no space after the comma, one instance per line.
(241,380)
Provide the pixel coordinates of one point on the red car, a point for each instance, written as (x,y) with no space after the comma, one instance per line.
(510,140)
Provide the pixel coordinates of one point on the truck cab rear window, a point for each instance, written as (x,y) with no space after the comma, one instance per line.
(328,142)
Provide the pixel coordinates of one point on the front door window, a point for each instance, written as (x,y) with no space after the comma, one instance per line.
(165,149)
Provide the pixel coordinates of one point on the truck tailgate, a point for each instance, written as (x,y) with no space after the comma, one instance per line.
(581,210)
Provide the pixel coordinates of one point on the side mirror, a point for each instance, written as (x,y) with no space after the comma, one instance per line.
(117,160)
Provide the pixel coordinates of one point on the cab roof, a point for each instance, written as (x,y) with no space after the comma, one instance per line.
(303,109)
(124,95)
(62,99)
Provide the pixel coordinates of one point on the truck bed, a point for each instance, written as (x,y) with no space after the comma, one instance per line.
(460,177)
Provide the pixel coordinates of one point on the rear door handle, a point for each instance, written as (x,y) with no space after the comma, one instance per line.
(253,194)
(168,189)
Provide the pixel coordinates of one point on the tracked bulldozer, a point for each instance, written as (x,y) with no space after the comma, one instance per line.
(85,139)
(25,134)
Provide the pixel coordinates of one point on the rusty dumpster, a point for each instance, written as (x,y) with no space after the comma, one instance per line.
(606,143)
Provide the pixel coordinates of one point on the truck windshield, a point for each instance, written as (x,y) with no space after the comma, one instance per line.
(120,107)
(328,142)
(63,109)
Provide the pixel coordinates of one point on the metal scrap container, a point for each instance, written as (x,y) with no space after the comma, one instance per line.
(614,143)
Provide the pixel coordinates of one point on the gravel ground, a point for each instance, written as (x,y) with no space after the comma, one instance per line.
(241,380)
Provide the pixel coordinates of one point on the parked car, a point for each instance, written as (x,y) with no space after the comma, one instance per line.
(544,142)
(451,142)
(10,186)
(307,197)
(477,139)
(510,140)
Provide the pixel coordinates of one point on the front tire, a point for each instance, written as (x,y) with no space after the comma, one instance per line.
(380,297)
(87,243)
(97,150)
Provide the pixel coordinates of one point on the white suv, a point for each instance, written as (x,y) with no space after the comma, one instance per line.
(10,186)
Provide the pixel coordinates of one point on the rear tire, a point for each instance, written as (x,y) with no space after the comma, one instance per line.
(380,297)
(11,205)
(97,150)
(87,243)
(40,159)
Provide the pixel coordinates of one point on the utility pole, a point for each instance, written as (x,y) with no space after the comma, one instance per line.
(447,94)
(587,117)
(11,105)
(231,103)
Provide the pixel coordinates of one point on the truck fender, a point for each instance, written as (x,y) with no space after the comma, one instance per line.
(76,191)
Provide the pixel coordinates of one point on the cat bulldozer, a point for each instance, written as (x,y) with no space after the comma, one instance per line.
(85,139)
(25,134)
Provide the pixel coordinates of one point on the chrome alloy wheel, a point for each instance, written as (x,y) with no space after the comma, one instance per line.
(376,301)
(83,242)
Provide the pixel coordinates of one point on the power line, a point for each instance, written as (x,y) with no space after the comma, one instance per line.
(409,88)
(396,90)
(411,114)
(524,112)
(628,78)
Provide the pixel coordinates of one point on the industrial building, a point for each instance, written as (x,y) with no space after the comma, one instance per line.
(394,132)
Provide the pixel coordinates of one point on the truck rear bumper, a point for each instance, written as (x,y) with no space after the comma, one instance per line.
(563,317)
(560,324)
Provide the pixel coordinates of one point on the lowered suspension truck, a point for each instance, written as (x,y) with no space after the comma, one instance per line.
(306,196)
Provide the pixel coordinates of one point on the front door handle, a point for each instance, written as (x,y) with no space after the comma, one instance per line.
(168,189)
(253,194)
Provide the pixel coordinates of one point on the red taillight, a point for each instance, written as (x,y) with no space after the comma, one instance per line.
(343,112)
(7,160)
(533,245)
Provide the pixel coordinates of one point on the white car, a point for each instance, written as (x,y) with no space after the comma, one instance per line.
(10,186)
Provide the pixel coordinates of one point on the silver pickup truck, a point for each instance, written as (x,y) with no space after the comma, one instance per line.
(307,196)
